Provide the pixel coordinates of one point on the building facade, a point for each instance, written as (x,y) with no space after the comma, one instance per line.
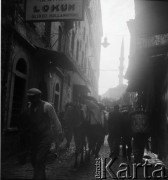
(148,67)
(61,58)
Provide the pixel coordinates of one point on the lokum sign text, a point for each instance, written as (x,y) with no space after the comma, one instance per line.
(54,10)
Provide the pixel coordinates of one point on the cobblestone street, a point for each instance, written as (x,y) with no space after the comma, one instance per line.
(57,168)
(62,168)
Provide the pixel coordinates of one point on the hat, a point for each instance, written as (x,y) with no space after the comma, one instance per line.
(33,92)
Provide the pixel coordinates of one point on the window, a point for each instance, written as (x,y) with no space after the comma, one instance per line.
(84,34)
(72,42)
(83,60)
(59,39)
(79,24)
(21,66)
(57,87)
(77,51)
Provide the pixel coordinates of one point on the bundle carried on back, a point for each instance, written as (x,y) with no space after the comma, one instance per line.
(140,122)
(93,107)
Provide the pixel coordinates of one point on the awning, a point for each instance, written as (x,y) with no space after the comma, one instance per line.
(134,86)
(24,41)
(142,65)
(51,57)
(55,58)
(83,89)
(79,90)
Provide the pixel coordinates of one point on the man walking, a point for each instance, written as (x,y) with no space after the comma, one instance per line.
(140,123)
(114,129)
(40,124)
(126,135)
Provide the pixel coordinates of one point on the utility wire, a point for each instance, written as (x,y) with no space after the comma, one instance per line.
(108,70)
(100,69)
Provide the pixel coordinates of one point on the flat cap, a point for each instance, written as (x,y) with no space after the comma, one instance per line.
(33,92)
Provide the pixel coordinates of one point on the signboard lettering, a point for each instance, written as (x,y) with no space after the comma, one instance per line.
(42,10)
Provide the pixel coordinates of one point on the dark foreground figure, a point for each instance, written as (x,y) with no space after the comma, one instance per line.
(141,132)
(126,133)
(39,127)
(114,129)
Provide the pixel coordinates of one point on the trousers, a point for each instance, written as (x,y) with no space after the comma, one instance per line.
(139,143)
(114,142)
(39,153)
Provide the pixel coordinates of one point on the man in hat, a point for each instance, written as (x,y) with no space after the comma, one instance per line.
(40,123)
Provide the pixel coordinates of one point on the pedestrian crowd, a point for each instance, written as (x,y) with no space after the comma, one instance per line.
(41,129)
(131,129)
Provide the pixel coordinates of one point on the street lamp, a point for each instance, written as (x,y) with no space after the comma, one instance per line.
(105,43)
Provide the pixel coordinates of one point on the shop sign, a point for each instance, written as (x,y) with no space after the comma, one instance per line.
(54,10)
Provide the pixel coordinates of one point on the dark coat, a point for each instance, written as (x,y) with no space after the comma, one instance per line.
(126,125)
(114,123)
(37,125)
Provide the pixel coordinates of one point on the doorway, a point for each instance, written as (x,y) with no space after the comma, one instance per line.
(18,88)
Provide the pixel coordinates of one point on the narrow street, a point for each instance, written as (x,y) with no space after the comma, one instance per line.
(84,67)
(62,168)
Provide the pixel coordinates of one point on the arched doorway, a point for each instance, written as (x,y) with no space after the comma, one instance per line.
(18,87)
